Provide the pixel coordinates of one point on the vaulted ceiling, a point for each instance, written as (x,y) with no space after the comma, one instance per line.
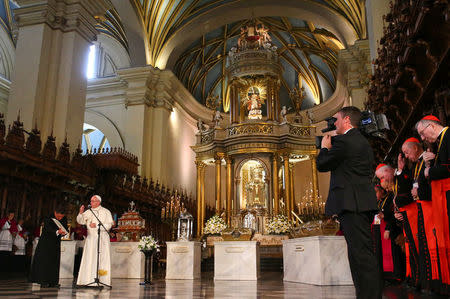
(307,54)
(193,37)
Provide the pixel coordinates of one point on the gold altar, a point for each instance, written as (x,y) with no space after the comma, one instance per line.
(258,145)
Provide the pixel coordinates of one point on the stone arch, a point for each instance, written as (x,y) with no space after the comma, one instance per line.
(105,125)
(111,56)
(7,54)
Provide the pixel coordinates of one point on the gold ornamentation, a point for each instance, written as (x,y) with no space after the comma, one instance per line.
(299,131)
(207,137)
(250,129)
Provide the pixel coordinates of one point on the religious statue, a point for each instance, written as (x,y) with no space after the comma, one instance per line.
(254,103)
(200,125)
(250,221)
(310,116)
(254,35)
(297,97)
(283,114)
(217,117)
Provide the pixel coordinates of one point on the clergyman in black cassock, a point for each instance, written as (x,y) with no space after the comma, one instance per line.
(45,267)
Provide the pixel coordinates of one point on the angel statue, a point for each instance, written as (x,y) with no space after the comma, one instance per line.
(217,117)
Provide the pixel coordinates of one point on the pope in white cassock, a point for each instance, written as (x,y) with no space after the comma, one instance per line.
(88,267)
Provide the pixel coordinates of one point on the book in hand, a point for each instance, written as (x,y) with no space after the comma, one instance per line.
(60,226)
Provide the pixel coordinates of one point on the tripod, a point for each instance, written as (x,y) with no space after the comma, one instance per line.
(97,284)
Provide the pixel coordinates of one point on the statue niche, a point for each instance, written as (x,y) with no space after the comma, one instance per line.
(254,103)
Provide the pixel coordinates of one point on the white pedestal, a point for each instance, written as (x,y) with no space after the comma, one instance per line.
(319,260)
(127,261)
(236,260)
(67,259)
(183,260)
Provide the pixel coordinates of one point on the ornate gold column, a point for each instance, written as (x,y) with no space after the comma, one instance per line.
(232,102)
(200,166)
(218,161)
(229,189)
(315,179)
(276,198)
(276,99)
(236,103)
(291,180)
(269,99)
(203,197)
(287,185)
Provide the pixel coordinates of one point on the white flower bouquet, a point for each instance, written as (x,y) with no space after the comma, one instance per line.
(278,225)
(214,225)
(148,243)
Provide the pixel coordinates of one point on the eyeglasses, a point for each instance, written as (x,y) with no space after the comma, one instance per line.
(421,133)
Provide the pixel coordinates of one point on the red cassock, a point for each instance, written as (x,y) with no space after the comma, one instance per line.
(441,228)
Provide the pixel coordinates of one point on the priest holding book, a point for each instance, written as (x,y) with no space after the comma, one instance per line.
(45,266)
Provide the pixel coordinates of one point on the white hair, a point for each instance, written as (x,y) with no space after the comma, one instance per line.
(97,197)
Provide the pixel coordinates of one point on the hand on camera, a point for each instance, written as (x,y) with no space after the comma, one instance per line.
(326,141)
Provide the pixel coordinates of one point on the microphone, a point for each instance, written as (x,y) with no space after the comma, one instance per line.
(89,206)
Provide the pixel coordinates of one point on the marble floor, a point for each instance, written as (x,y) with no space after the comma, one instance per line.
(270,285)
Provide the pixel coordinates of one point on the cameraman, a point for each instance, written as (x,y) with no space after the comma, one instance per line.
(352,197)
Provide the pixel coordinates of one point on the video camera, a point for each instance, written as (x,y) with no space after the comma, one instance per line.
(372,125)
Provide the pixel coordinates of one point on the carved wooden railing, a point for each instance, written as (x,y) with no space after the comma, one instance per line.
(411,71)
(34,178)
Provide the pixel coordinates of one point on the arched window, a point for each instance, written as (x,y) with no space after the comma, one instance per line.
(106,56)
(92,61)
(93,138)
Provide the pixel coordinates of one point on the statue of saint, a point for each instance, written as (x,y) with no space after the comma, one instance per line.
(217,117)
(254,103)
(200,126)
(283,114)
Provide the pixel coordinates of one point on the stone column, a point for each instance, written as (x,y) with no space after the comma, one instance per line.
(49,80)
(287,185)
(375,10)
(356,62)
(229,190)
(200,182)
(315,178)
(137,132)
(161,103)
(218,162)
(276,198)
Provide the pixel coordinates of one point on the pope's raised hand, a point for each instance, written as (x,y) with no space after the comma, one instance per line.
(82,209)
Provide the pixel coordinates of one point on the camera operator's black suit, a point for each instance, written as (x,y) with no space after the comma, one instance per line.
(352,198)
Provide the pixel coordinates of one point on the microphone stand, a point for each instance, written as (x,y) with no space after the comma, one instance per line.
(99,284)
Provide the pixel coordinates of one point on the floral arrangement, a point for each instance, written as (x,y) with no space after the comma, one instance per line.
(278,225)
(148,243)
(214,225)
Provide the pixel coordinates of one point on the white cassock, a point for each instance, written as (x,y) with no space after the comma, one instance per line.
(88,267)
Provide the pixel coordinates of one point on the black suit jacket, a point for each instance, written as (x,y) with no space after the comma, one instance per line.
(350,161)
(441,168)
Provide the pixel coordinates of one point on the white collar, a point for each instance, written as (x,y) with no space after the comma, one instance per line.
(348,130)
